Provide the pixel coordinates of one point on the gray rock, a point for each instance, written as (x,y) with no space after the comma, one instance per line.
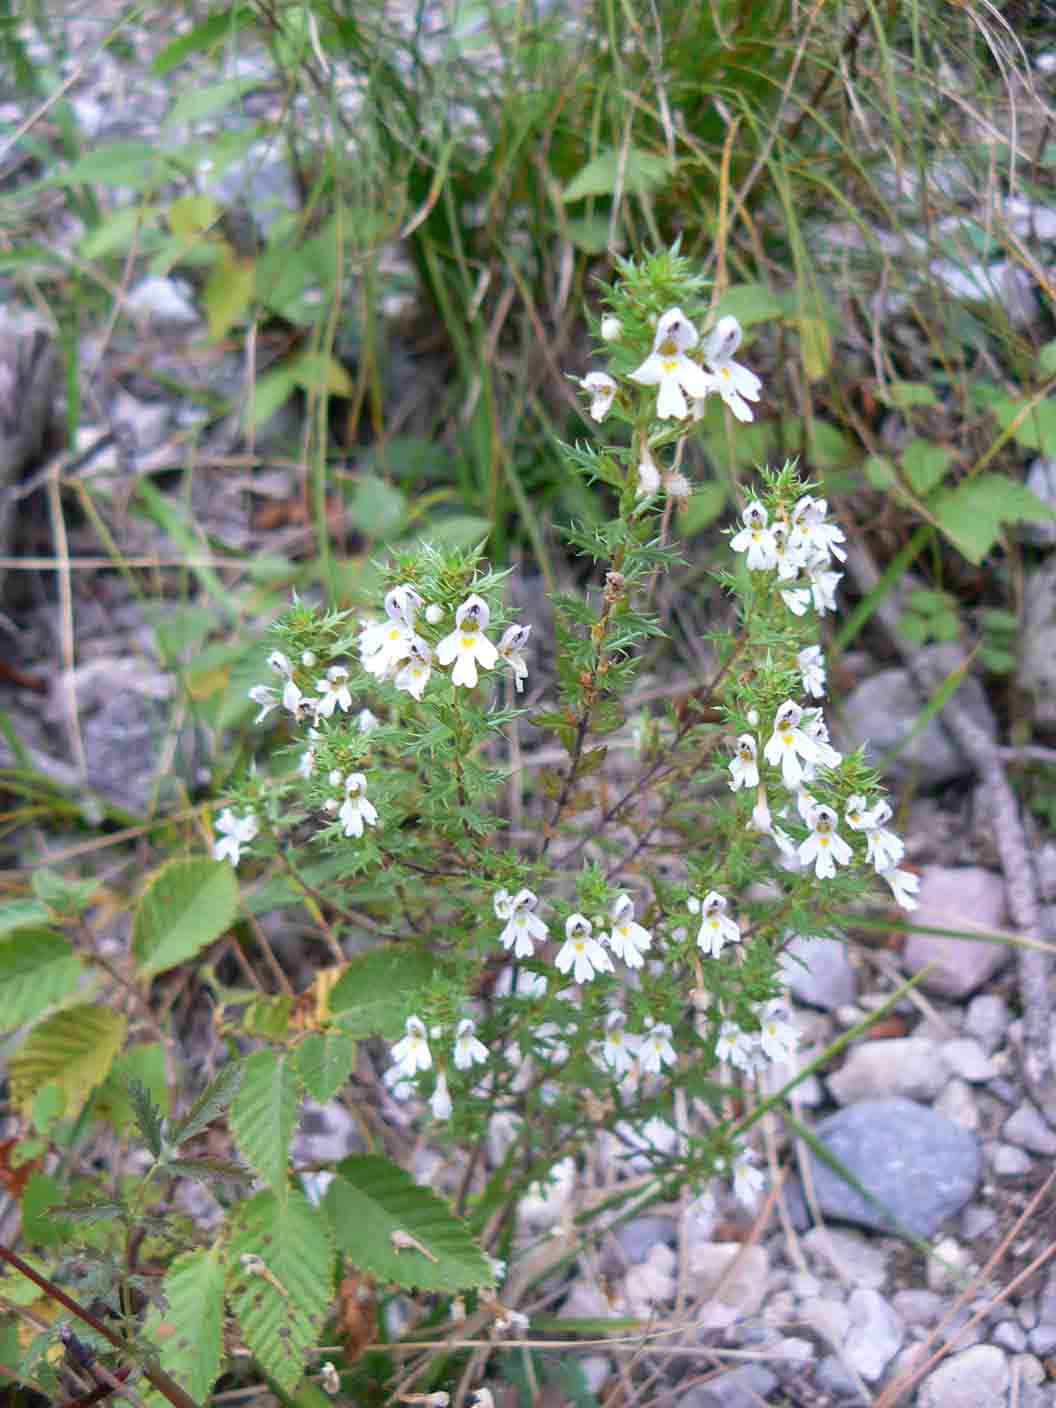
(977,1221)
(957,1103)
(875,1334)
(164,302)
(710,1275)
(1026,1128)
(853,1257)
(975,1378)
(833,1377)
(987,1020)
(966,1058)
(597,1370)
(909,1066)
(1037,644)
(746,1387)
(638,1237)
(1043,1339)
(1041,480)
(819,972)
(920,1167)
(1010,1162)
(883,711)
(919,1308)
(968,899)
(1008,1335)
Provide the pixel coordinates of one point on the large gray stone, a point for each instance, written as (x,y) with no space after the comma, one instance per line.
(976,1378)
(819,972)
(920,1167)
(964,898)
(911,1066)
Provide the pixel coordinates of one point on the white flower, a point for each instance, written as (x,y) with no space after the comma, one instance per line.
(811,662)
(529,984)
(789,743)
(235,832)
(413,675)
(789,561)
(655,1050)
(797,599)
(824,846)
(411,1053)
(602,390)
(280,664)
(335,692)
(467,645)
(823,584)
(619,1048)
(627,939)
(856,812)
(306,766)
(648,473)
(715,928)
(668,367)
(756,539)
(736,1046)
(611,328)
(734,382)
(748,1181)
(582,950)
(267,698)
(366,722)
(308,659)
(434,613)
(778,1036)
(812,535)
(525,929)
(355,809)
(883,848)
(511,645)
(402,604)
(744,768)
(904,886)
(502,903)
(469,1049)
(383,645)
(817,730)
(440,1100)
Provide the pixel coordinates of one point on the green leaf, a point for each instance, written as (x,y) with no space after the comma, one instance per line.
(209,1171)
(815,345)
(62,894)
(73,1050)
(749,304)
(38,968)
(371,1198)
(317,372)
(1038,429)
(192,1348)
(116,231)
(211,33)
(971,515)
(371,996)
(705,505)
(880,472)
(42,1225)
(635,172)
(376,507)
(324,1062)
(228,293)
(263,1116)
(138,166)
(212,1103)
(281,1317)
(193,216)
(199,102)
(590,233)
(146,1114)
(144,1064)
(1047,359)
(270,394)
(186,906)
(905,394)
(925,464)
(22,914)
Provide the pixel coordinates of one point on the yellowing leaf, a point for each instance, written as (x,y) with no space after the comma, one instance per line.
(815,342)
(316,372)
(191,216)
(228,293)
(72,1050)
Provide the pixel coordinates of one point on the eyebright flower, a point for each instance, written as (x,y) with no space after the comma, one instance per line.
(817,730)
(883,848)
(778,1035)
(655,1050)
(355,809)
(789,743)
(789,561)
(812,535)
(748,1181)
(904,886)
(384,644)
(648,472)
(734,382)
(413,675)
(467,645)
(823,584)
(266,698)
(582,950)
(668,367)
(627,939)
(737,1047)
(511,647)
(306,766)
(411,1053)
(756,539)
(715,928)
(280,664)
(235,832)
(744,767)
(602,389)
(611,328)
(797,599)
(811,662)
(525,929)
(335,692)
(469,1049)
(824,846)
(366,722)
(619,1049)
(440,1100)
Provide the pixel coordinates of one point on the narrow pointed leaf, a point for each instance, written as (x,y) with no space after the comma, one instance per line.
(146,1114)
(212,1103)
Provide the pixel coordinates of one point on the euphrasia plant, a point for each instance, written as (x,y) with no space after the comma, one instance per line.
(615,963)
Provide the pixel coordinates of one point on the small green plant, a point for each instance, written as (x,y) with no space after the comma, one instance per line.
(930,616)
(548,955)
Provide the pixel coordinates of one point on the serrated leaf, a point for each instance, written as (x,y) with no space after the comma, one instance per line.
(634,172)
(105,1210)
(192,1348)
(324,1061)
(971,515)
(38,968)
(263,1115)
(146,1115)
(371,996)
(209,1171)
(186,906)
(281,1313)
(925,464)
(72,1050)
(212,1102)
(371,1198)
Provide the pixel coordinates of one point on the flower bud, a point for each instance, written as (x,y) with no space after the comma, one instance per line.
(611,328)
(434,613)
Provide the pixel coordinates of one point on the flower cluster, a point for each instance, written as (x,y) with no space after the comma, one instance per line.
(800,549)
(412,1055)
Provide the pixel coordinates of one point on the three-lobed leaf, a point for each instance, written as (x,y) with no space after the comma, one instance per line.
(186,906)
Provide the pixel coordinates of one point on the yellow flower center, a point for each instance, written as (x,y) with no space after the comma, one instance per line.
(787,739)
(395,633)
(580,946)
(468,642)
